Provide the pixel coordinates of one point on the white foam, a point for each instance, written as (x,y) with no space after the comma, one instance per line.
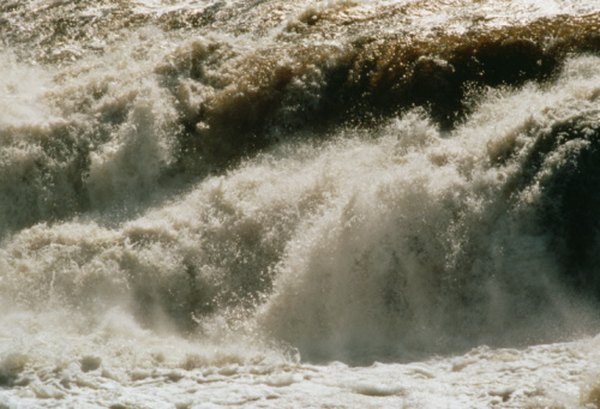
(22,93)
(392,244)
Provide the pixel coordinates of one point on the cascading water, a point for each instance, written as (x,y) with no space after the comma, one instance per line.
(216,203)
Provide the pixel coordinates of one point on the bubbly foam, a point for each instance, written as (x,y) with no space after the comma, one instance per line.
(199,199)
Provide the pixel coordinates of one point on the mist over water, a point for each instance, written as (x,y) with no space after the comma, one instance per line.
(198,190)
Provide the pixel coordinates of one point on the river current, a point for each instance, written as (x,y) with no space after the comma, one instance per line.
(310,204)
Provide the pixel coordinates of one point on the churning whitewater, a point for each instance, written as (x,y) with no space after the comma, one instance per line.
(317,204)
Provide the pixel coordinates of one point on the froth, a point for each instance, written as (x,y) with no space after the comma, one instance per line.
(22,89)
(329,176)
(397,241)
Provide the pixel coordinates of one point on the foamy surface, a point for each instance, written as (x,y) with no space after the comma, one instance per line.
(299,205)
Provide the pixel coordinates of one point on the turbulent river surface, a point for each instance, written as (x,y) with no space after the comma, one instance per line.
(307,204)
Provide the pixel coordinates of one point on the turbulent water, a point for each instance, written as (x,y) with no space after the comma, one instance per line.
(235,203)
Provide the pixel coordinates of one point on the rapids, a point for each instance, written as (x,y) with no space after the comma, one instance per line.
(325,203)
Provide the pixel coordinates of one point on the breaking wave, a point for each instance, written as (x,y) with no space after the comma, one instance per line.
(315,181)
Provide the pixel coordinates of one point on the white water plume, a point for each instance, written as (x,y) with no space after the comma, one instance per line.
(392,243)
(217,203)
(22,90)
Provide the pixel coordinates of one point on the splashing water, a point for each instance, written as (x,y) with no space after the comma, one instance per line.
(266,204)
